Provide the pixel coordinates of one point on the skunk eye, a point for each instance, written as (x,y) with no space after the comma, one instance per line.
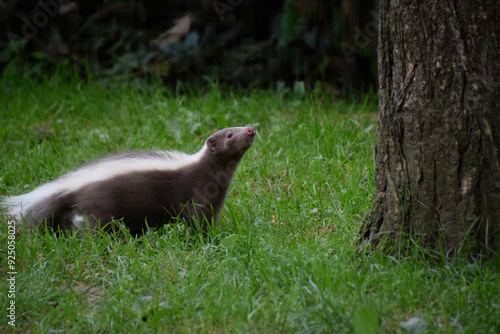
(229,135)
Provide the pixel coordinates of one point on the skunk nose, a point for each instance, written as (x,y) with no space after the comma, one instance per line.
(250,131)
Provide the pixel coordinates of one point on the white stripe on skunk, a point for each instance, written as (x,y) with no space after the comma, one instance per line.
(137,185)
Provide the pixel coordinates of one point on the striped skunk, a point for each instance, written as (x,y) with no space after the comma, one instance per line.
(142,188)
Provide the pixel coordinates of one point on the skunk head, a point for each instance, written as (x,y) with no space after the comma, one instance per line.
(231,143)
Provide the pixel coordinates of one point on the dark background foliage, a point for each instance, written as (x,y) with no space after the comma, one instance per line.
(274,44)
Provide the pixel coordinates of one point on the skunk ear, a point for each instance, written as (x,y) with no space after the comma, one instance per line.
(211,143)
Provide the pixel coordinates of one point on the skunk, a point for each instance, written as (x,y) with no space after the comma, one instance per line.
(141,188)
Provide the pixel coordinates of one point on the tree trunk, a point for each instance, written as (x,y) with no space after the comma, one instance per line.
(438,143)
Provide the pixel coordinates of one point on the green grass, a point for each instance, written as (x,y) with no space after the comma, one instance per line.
(283,257)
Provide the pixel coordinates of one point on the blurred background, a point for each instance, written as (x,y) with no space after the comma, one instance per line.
(276,44)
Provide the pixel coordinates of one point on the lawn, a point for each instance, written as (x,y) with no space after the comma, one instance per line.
(284,255)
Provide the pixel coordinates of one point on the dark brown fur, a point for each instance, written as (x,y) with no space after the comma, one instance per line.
(194,194)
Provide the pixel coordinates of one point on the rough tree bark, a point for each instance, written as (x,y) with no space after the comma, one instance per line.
(438,143)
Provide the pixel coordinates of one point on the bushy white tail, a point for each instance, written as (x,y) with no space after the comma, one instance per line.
(25,206)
